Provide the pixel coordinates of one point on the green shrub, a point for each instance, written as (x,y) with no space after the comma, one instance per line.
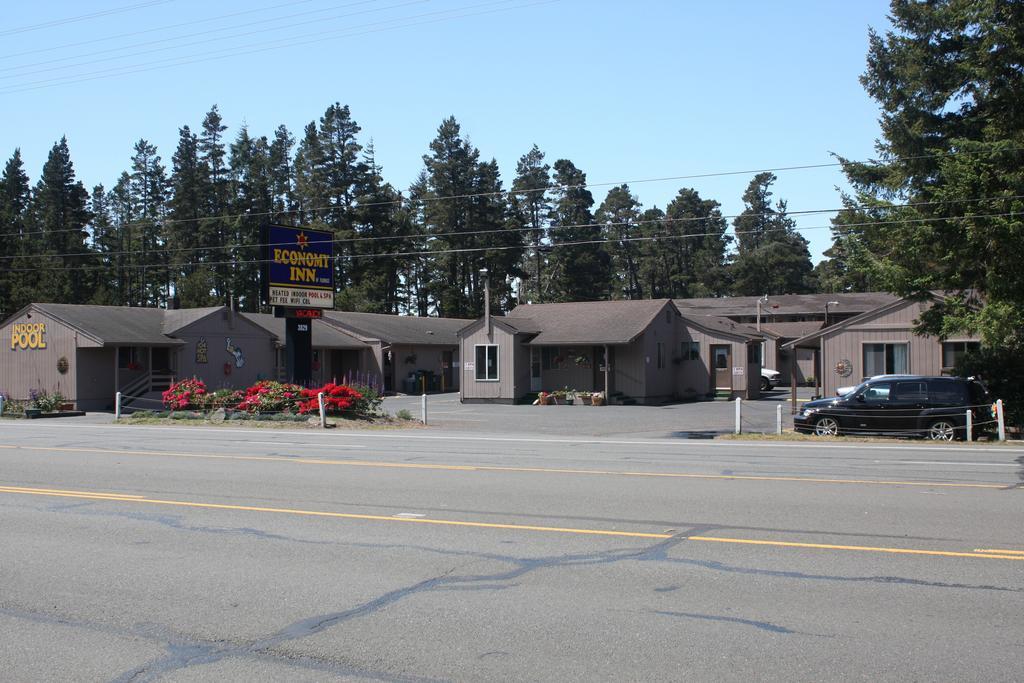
(370,403)
(403,414)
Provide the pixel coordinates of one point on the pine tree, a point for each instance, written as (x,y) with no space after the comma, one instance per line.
(59,212)
(105,241)
(213,232)
(579,272)
(619,216)
(772,257)
(451,170)
(14,201)
(251,187)
(148,187)
(695,261)
(529,198)
(941,208)
(186,209)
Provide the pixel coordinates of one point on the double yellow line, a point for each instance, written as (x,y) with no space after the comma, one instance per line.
(1013,555)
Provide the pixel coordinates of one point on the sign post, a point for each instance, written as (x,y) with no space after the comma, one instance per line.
(298,281)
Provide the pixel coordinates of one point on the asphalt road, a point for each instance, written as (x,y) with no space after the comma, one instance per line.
(180,554)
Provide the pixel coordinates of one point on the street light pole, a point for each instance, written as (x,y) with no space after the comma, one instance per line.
(764,300)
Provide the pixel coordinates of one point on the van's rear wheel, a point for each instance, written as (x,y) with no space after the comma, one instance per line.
(765,384)
(826,426)
(942,430)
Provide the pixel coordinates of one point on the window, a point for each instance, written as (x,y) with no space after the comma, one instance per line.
(661,355)
(690,350)
(877,393)
(754,354)
(952,352)
(128,358)
(911,391)
(487,363)
(549,357)
(885,359)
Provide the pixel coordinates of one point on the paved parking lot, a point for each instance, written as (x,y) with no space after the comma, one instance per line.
(704,419)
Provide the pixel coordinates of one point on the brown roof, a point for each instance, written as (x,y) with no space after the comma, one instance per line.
(788,304)
(398,329)
(716,323)
(113,325)
(793,330)
(324,335)
(588,322)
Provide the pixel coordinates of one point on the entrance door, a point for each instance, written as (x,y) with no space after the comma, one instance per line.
(721,366)
(535,383)
(447,374)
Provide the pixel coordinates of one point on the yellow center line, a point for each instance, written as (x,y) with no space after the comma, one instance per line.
(861,548)
(999,550)
(320,513)
(536,470)
(128,498)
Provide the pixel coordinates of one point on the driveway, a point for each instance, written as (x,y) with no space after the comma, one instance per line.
(703,419)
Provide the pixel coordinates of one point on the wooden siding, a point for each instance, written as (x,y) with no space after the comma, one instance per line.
(96,369)
(257,345)
(924,354)
(503,389)
(22,370)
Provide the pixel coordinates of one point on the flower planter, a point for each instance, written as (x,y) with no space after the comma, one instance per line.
(66,407)
(33,413)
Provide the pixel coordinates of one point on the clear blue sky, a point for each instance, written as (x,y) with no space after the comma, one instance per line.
(626,90)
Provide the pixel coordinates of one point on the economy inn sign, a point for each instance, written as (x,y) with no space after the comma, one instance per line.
(298,267)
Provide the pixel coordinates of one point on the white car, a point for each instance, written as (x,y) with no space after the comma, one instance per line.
(769,379)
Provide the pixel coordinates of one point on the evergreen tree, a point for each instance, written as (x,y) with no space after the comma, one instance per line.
(579,272)
(148,187)
(619,216)
(251,193)
(695,263)
(214,232)
(502,238)
(14,243)
(105,241)
(772,257)
(941,209)
(529,198)
(451,172)
(186,209)
(59,212)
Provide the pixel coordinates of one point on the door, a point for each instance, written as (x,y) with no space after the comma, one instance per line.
(871,410)
(447,374)
(535,383)
(721,366)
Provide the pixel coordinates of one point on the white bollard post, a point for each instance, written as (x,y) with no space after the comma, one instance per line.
(117,406)
(323,413)
(970,426)
(1000,421)
(778,419)
(1,405)
(423,408)
(739,403)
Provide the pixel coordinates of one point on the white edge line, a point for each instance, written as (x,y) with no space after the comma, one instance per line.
(689,443)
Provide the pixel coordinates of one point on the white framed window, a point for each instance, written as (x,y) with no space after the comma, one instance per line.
(486,368)
(690,350)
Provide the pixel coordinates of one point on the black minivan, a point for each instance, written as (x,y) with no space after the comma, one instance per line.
(903,405)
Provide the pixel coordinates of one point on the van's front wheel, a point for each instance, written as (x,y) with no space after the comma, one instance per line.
(826,426)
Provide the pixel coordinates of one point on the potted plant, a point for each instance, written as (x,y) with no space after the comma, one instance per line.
(544,398)
(597,398)
(583,398)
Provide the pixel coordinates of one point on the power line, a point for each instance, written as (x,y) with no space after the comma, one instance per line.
(276,28)
(265,47)
(82,17)
(506,231)
(129,34)
(459,250)
(545,189)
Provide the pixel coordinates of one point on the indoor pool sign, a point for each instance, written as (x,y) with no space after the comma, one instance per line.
(299,269)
